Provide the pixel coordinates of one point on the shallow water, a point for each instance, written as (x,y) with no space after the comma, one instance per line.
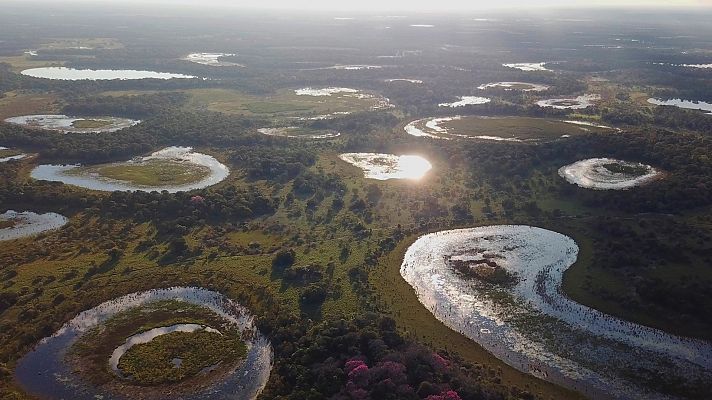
(64,123)
(531,87)
(323,91)
(72,74)
(285,132)
(388,166)
(59,173)
(466,101)
(533,326)
(686,104)
(578,103)
(414,81)
(211,59)
(28,223)
(528,66)
(12,157)
(592,174)
(44,373)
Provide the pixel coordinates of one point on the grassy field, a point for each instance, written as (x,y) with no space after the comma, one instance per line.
(81,43)
(522,128)
(20,63)
(282,103)
(16,103)
(148,173)
(152,363)
(90,123)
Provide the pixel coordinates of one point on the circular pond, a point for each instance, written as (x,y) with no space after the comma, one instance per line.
(500,286)
(65,124)
(16,225)
(388,166)
(608,174)
(72,363)
(296,132)
(523,86)
(73,74)
(173,169)
(507,129)
(576,103)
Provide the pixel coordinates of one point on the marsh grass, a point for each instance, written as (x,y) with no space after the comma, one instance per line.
(152,363)
(90,123)
(154,172)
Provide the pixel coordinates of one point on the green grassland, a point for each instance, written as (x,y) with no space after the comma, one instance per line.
(90,43)
(523,128)
(20,63)
(152,363)
(283,103)
(355,248)
(148,173)
(15,103)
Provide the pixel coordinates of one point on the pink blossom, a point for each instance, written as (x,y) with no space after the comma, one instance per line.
(447,395)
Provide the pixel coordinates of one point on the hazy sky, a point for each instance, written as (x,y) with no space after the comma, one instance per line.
(429,5)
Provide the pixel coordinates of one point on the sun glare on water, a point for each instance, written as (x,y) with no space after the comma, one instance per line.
(413,167)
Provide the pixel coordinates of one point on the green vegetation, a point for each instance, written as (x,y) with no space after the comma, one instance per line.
(148,173)
(523,128)
(151,363)
(628,169)
(156,362)
(282,103)
(304,241)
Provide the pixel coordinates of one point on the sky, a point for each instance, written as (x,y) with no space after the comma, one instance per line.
(418,5)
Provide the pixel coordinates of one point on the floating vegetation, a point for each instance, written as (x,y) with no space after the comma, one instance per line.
(523,86)
(466,101)
(65,124)
(298,132)
(577,103)
(172,169)
(510,301)
(608,174)
(72,74)
(388,166)
(70,363)
(16,225)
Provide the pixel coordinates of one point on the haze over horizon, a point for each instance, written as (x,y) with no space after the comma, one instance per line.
(417,5)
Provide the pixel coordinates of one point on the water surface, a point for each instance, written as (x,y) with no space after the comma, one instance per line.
(94,181)
(72,74)
(28,223)
(44,373)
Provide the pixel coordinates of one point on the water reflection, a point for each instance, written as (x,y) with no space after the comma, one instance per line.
(389,166)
